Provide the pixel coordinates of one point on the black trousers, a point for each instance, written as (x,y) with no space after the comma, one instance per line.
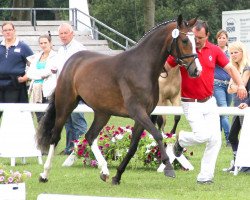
(13,95)
(233,136)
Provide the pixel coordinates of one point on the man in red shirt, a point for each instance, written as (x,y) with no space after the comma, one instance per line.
(199,105)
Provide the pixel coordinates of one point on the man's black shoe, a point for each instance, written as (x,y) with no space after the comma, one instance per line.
(208,182)
(177,149)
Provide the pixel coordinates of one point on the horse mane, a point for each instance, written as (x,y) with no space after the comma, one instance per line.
(154,28)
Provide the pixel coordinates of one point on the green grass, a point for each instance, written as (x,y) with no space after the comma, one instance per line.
(138,183)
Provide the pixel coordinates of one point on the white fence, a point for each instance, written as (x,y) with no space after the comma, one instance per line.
(159,110)
(17,122)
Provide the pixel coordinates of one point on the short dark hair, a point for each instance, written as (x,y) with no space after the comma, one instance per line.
(201,24)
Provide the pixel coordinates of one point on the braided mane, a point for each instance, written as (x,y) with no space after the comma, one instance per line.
(154,28)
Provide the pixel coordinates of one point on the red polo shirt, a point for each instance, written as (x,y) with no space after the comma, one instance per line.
(202,87)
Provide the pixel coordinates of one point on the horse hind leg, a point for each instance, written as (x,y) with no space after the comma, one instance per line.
(161,122)
(136,134)
(176,121)
(100,120)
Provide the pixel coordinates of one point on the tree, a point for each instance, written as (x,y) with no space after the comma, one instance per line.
(149,14)
(22,14)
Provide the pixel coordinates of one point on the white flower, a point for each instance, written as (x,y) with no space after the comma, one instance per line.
(119,136)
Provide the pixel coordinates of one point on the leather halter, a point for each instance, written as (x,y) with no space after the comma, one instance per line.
(180,59)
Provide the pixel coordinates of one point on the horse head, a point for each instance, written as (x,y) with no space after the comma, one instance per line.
(183,46)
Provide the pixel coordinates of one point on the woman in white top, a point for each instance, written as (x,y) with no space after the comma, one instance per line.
(40,72)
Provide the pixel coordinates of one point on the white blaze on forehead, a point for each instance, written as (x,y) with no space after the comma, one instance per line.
(190,36)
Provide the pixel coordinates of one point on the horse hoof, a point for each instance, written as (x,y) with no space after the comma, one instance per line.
(169,173)
(43,180)
(115,181)
(104,177)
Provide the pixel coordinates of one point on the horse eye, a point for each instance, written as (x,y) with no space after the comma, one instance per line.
(185,41)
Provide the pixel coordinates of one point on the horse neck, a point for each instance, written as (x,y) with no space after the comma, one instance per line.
(154,49)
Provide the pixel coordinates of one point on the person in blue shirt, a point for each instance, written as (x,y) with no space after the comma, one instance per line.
(13,54)
(221,81)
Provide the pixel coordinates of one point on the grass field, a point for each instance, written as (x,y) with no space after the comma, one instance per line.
(138,183)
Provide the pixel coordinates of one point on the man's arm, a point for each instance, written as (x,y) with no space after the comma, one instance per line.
(170,63)
(235,75)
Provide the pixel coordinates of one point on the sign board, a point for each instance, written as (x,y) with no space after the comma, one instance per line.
(237,25)
(17,135)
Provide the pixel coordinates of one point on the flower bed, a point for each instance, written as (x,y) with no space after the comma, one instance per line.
(114,143)
(12,184)
(10,176)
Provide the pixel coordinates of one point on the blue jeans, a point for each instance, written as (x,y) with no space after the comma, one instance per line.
(75,126)
(223,99)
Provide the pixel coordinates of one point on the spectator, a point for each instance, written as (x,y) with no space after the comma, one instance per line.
(199,105)
(240,60)
(43,80)
(221,80)
(75,125)
(13,54)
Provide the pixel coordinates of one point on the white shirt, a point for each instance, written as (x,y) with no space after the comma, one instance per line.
(67,51)
(33,73)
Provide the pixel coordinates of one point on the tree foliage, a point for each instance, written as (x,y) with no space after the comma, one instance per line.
(127,17)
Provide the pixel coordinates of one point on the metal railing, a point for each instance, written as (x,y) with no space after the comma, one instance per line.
(75,21)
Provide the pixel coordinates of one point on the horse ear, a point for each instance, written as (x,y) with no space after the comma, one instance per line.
(192,21)
(179,20)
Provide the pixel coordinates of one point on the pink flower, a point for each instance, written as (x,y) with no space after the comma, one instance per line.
(101,138)
(93,163)
(2,178)
(107,145)
(10,180)
(108,128)
(28,174)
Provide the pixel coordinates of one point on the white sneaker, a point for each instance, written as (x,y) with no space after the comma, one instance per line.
(70,160)
(230,169)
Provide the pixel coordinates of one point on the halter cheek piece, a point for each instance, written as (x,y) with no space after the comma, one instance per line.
(180,59)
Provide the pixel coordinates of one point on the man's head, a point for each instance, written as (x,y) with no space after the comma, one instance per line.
(66,33)
(201,33)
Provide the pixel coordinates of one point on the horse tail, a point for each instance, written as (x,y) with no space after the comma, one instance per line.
(45,126)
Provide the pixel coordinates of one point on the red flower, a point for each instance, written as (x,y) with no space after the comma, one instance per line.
(144,134)
(107,145)
(80,152)
(169,135)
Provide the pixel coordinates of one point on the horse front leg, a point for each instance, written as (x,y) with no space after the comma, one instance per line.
(136,134)
(100,120)
(47,165)
(102,163)
(143,118)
